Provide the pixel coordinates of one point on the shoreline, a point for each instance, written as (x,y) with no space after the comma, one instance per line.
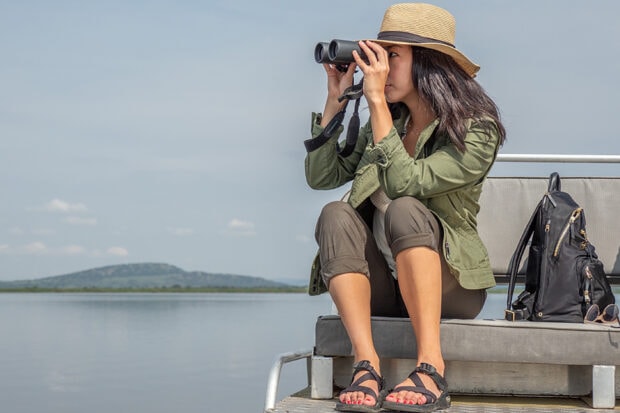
(500,289)
(156,290)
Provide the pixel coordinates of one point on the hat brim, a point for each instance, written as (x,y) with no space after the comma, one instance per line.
(470,67)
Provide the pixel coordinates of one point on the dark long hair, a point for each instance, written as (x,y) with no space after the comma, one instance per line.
(454,96)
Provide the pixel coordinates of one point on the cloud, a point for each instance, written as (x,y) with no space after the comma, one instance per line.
(58,205)
(39,248)
(118,251)
(35,248)
(72,250)
(73,220)
(16,231)
(181,232)
(238,227)
(42,231)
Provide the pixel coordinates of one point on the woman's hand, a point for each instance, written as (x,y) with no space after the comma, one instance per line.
(375,76)
(337,82)
(375,71)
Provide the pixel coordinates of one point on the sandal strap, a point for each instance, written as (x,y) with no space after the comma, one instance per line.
(365,365)
(364,389)
(433,401)
(431,372)
(430,397)
(372,374)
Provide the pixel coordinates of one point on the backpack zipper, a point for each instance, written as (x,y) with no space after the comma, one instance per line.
(571,220)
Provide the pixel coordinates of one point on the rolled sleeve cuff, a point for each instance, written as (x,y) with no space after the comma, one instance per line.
(381,153)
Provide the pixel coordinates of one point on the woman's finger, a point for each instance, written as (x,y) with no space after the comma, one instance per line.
(370,54)
(359,61)
(350,71)
(378,51)
(329,69)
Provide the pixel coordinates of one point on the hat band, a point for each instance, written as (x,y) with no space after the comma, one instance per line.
(393,36)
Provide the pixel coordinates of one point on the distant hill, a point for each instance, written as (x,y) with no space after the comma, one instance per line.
(142,276)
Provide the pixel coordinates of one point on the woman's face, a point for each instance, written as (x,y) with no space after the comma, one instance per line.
(399,84)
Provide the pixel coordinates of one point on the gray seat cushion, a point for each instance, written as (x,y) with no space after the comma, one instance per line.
(484,341)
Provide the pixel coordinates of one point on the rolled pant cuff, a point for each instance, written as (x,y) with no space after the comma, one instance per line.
(343,265)
(414,240)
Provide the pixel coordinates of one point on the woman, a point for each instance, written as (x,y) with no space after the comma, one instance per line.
(405,243)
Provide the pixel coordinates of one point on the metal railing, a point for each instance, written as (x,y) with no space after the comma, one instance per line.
(274,375)
(517,157)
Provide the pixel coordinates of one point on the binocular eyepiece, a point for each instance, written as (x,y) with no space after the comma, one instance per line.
(337,52)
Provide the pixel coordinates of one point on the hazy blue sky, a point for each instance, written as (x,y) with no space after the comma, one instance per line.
(171,131)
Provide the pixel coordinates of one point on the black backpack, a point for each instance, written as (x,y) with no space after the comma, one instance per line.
(563,276)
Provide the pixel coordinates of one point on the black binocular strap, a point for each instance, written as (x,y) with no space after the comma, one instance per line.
(354,92)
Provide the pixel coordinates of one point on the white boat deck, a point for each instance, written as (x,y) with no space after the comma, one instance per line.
(301,402)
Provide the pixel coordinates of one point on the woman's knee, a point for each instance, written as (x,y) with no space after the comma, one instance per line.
(408,223)
(334,216)
(335,211)
(405,208)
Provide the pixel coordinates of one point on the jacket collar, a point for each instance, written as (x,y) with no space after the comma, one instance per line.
(425,135)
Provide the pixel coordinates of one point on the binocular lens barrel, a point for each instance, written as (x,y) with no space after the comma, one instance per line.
(341,51)
(320,52)
(338,52)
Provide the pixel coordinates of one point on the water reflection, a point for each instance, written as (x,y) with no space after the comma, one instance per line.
(66,353)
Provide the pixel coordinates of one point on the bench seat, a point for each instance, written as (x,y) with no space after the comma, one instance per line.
(491,356)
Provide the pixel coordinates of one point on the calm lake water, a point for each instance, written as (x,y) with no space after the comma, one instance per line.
(152,353)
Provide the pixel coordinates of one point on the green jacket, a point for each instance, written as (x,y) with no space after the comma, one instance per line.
(446,180)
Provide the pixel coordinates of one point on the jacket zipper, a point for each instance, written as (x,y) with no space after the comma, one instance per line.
(571,220)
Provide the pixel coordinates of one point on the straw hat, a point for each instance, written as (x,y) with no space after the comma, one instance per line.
(423,25)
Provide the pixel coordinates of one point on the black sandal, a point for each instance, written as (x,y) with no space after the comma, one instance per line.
(355,386)
(432,401)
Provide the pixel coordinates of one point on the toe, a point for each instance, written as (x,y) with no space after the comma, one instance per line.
(369,400)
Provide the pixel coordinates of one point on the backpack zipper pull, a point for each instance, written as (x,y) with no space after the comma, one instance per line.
(576,213)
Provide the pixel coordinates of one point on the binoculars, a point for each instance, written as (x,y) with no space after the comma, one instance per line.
(337,52)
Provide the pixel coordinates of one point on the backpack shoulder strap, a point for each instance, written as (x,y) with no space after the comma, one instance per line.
(515,260)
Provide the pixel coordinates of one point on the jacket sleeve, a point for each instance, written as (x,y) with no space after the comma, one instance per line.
(325,169)
(446,170)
